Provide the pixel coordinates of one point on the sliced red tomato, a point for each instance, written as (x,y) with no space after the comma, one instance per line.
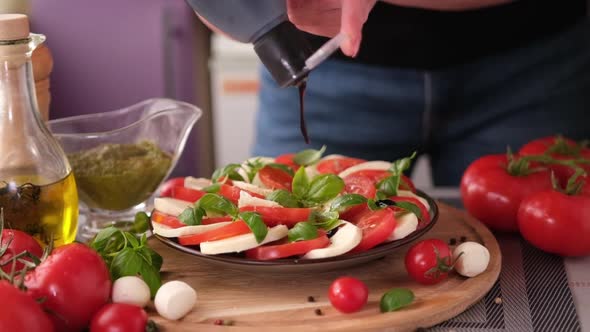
(215,220)
(407,184)
(270,252)
(377,175)
(376,227)
(360,184)
(273,216)
(275,178)
(233,193)
(337,165)
(423,209)
(287,160)
(187,194)
(234,229)
(166,188)
(166,219)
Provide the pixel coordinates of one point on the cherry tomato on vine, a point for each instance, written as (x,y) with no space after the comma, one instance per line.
(429,261)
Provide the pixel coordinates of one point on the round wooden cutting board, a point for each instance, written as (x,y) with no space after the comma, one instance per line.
(281,302)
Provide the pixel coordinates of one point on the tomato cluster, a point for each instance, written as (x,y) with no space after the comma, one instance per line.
(541,191)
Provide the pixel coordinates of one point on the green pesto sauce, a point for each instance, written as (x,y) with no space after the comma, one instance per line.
(119,176)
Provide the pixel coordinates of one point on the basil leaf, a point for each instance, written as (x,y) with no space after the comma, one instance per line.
(309,156)
(257,226)
(282,167)
(341,203)
(217,204)
(411,207)
(131,262)
(230,171)
(303,231)
(104,236)
(300,184)
(214,188)
(401,165)
(372,204)
(283,197)
(325,220)
(157,260)
(395,299)
(324,187)
(131,239)
(192,216)
(252,167)
(141,223)
(389,185)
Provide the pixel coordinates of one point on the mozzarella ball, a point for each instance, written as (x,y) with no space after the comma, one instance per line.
(175,299)
(473,261)
(131,290)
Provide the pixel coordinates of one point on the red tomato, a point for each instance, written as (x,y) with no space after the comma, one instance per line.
(119,317)
(167,220)
(275,178)
(407,184)
(376,227)
(236,228)
(556,223)
(348,294)
(359,184)
(428,261)
(423,209)
(564,149)
(74,282)
(166,188)
(19,242)
(20,312)
(187,194)
(215,220)
(233,193)
(337,165)
(276,251)
(377,175)
(287,160)
(273,216)
(492,195)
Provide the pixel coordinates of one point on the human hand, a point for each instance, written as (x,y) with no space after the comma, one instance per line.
(329,17)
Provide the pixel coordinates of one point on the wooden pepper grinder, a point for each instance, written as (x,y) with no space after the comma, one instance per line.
(42,58)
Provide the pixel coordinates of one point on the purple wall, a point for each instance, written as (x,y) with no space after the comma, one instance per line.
(110,54)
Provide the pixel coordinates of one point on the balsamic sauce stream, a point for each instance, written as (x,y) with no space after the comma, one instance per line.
(302,125)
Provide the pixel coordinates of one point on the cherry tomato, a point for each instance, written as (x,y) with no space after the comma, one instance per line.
(19,242)
(492,195)
(167,220)
(337,165)
(166,188)
(273,216)
(20,312)
(428,261)
(348,294)
(282,250)
(275,178)
(119,317)
(376,227)
(556,223)
(74,282)
(287,160)
(415,201)
(236,228)
(187,194)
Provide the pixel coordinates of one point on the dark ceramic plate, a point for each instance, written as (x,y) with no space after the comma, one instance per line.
(309,265)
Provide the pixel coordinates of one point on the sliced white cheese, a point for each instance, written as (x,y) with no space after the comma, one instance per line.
(171,206)
(258,183)
(243,171)
(242,242)
(248,200)
(406,224)
(252,188)
(332,156)
(311,172)
(379,165)
(346,238)
(166,231)
(196,183)
(407,193)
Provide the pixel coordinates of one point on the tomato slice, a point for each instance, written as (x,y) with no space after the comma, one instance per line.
(215,220)
(273,216)
(275,178)
(187,194)
(234,229)
(337,165)
(166,219)
(270,252)
(287,160)
(374,175)
(376,227)
(233,193)
(360,184)
(407,184)
(166,189)
(423,209)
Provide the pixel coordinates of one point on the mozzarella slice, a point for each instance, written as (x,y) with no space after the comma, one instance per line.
(171,206)
(405,225)
(346,238)
(196,183)
(379,165)
(407,193)
(473,261)
(242,242)
(243,171)
(258,183)
(166,231)
(248,200)
(252,188)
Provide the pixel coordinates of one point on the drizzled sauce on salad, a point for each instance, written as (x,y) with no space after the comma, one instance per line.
(302,124)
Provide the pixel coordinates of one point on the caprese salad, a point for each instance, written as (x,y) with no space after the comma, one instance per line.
(301,205)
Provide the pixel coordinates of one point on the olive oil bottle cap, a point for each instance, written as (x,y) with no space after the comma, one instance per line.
(14,27)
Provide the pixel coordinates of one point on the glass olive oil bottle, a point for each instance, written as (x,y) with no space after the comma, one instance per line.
(37,189)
